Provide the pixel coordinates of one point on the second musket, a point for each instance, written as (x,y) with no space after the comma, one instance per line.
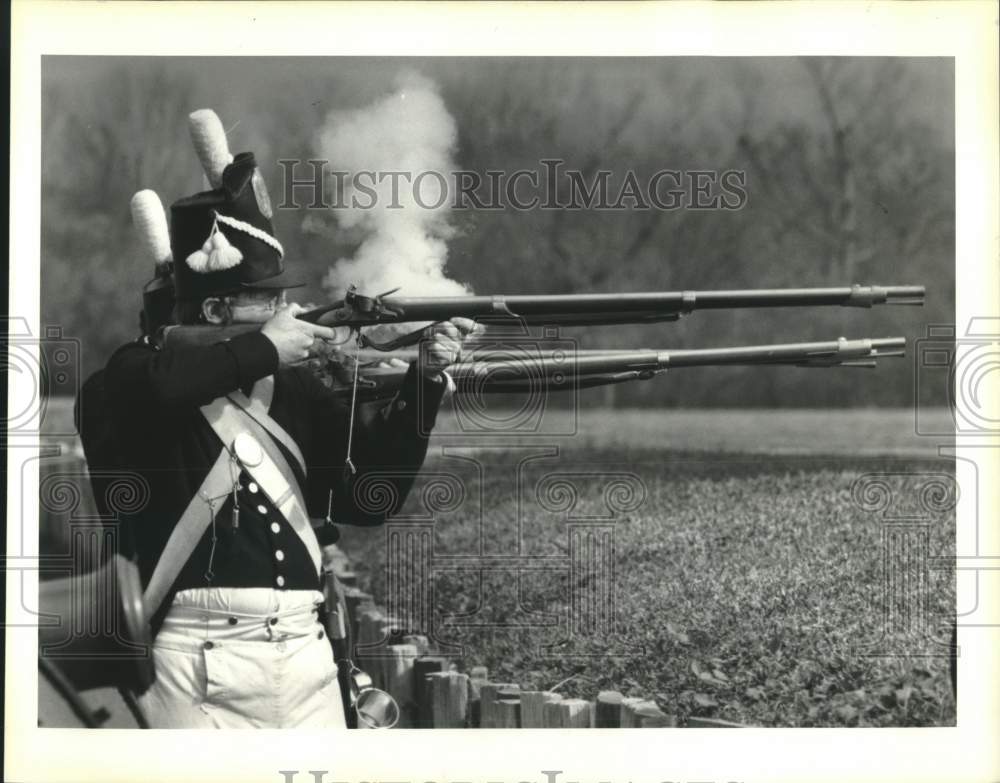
(517,369)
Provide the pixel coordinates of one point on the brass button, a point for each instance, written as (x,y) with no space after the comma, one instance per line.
(262,509)
(275,527)
(252,487)
(401,405)
(233,621)
(208,645)
(319,635)
(279,555)
(273,621)
(280,581)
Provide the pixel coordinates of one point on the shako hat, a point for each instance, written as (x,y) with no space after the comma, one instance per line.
(222,239)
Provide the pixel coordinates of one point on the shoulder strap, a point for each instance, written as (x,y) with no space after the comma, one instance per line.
(186,533)
(257,405)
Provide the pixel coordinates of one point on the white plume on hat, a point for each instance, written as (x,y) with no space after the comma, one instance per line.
(209,139)
(150,222)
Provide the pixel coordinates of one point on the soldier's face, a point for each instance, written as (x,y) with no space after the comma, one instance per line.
(246,307)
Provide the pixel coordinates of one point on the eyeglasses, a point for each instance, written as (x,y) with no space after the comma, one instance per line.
(269,303)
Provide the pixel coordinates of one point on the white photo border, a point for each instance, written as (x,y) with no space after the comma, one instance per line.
(965,31)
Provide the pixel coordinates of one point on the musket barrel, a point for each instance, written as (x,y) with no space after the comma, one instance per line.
(889,342)
(529,305)
(785,354)
(851,296)
(534,306)
(489,367)
(582,309)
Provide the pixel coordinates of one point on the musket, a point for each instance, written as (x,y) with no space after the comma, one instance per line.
(533,369)
(356,311)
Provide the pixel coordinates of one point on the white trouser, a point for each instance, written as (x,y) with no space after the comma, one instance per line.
(235,658)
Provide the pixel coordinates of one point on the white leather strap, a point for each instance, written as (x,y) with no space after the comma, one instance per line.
(186,533)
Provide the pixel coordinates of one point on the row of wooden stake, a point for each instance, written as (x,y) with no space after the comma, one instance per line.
(432,693)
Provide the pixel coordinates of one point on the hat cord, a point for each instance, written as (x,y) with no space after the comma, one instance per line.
(253,231)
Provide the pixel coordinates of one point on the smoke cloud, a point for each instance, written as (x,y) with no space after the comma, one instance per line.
(404,244)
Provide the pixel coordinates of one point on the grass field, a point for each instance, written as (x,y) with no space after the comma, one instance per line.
(750,584)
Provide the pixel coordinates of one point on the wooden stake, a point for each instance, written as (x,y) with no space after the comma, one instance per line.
(533,707)
(423,667)
(449,699)
(607,711)
(508,710)
(371,632)
(487,696)
(398,674)
(420,642)
(567,714)
(628,707)
(477,676)
(480,673)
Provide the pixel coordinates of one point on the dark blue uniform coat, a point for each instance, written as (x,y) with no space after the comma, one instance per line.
(158,431)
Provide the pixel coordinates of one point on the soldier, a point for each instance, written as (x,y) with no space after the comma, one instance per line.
(240,444)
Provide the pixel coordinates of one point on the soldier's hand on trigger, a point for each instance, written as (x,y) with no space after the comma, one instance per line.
(293,338)
(443,344)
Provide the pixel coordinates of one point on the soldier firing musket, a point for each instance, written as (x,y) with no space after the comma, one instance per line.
(240,446)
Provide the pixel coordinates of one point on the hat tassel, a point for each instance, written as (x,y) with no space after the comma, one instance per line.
(216,254)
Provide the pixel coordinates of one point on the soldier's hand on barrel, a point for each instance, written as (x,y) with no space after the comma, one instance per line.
(293,338)
(443,344)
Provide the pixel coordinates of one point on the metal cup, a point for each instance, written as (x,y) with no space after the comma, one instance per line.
(375,708)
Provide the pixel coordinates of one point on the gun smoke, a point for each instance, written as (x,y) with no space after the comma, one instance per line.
(403,243)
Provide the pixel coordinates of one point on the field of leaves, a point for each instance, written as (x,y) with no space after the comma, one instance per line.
(750,588)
